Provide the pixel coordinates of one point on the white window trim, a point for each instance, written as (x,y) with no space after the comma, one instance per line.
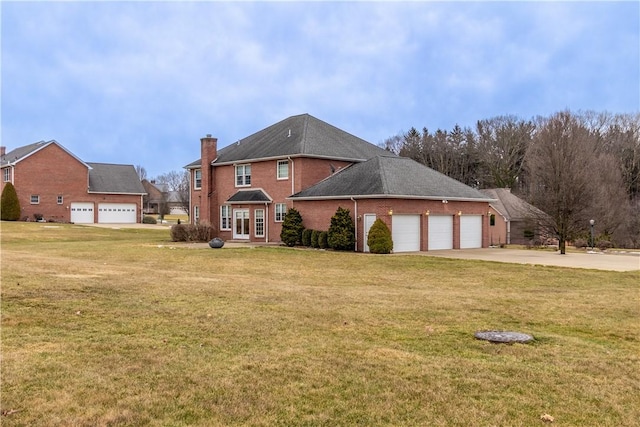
(284,177)
(255,222)
(37,199)
(244,175)
(7,174)
(60,200)
(282,214)
(196,214)
(228,217)
(197,180)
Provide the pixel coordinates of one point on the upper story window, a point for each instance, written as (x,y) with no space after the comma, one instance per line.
(7,174)
(283,169)
(35,199)
(197,179)
(243,175)
(60,200)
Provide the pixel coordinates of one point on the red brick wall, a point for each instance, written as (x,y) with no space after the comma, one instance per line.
(317,214)
(53,172)
(49,173)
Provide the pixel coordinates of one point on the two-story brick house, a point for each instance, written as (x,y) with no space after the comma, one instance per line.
(246,188)
(53,182)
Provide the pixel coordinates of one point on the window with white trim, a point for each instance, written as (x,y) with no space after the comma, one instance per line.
(197,179)
(258,218)
(196,214)
(243,175)
(283,169)
(225,217)
(35,199)
(7,174)
(60,200)
(281,211)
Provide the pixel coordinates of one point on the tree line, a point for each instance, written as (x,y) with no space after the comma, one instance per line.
(574,166)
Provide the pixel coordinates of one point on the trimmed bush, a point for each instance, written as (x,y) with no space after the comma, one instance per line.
(341,235)
(315,234)
(201,232)
(306,237)
(604,245)
(379,240)
(322,240)
(149,220)
(9,203)
(292,228)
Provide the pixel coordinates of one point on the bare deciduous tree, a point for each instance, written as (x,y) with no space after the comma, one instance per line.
(178,182)
(561,161)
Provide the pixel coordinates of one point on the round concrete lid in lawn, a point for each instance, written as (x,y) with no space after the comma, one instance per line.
(503,336)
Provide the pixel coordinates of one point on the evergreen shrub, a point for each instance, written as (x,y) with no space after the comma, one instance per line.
(9,203)
(306,237)
(322,240)
(292,228)
(315,234)
(379,240)
(341,235)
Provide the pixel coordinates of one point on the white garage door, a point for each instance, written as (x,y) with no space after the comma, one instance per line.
(82,212)
(470,231)
(117,213)
(405,232)
(440,232)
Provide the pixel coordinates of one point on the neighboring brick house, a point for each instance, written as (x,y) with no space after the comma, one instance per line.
(245,189)
(53,182)
(158,194)
(512,220)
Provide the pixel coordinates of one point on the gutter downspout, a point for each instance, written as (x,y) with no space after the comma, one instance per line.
(266,222)
(293,174)
(355,204)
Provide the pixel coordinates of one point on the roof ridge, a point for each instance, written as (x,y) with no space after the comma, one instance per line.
(303,139)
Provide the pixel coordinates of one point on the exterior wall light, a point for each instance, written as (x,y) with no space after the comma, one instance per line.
(390,212)
(459,213)
(427,212)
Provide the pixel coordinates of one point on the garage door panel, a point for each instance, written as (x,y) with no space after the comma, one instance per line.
(405,233)
(440,232)
(117,213)
(82,212)
(470,231)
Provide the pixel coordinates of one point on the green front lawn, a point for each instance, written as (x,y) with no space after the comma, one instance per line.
(124,327)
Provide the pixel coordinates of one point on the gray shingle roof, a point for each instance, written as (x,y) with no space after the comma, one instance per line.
(301,135)
(20,153)
(110,178)
(511,206)
(249,196)
(391,176)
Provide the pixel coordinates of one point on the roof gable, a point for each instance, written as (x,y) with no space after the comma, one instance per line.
(301,135)
(512,207)
(18,154)
(110,178)
(391,176)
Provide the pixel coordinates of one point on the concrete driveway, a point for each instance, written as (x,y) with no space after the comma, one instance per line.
(622,261)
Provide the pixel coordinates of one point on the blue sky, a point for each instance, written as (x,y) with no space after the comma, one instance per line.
(141,82)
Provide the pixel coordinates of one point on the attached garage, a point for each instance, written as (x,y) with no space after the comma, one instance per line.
(470,231)
(117,213)
(82,212)
(405,232)
(440,232)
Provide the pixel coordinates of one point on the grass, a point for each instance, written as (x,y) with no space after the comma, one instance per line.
(123,327)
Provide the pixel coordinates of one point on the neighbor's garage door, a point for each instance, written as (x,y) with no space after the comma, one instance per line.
(470,231)
(117,213)
(440,232)
(82,212)
(405,232)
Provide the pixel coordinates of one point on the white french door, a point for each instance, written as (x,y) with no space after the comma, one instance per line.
(241,224)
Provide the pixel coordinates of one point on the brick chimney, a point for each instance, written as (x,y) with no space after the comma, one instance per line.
(3,150)
(209,152)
